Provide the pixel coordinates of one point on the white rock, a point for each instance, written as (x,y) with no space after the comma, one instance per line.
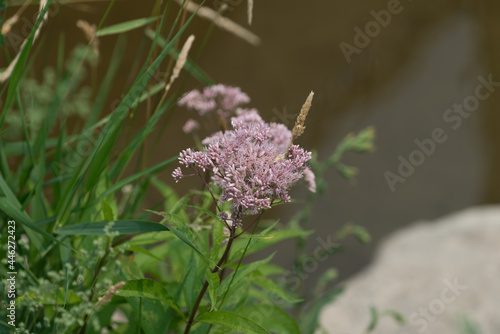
(433,273)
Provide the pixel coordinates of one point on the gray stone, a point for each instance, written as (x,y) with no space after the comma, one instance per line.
(433,273)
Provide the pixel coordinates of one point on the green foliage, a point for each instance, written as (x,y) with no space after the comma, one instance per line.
(233,321)
(84,222)
(361,142)
(121,28)
(358,231)
(376,315)
(468,326)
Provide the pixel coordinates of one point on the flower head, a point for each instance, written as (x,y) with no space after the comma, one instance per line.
(248,163)
(190,126)
(310,178)
(220,98)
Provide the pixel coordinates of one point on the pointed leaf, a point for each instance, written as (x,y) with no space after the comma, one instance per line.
(232,320)
(125,26)
(120,226)
(147,288)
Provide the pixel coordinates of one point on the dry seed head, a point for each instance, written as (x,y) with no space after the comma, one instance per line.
(90,31)
(7,26)
(113,290)
(181,61)
(299,127)
(8,71)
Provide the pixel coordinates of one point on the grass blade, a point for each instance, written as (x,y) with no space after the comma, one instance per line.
(125,26)
(106,227)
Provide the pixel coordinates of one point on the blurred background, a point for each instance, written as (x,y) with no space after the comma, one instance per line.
(425,60)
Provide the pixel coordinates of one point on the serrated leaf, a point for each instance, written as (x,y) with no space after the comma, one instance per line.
(241,274)
(147,288)
(275,289)
(183,237)
(213,284)
(232,320)
(273,319)
(206,211)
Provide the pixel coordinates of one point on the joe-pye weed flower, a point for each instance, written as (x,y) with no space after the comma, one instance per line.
(254,164)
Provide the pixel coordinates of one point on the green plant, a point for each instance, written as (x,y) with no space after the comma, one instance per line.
(91,253)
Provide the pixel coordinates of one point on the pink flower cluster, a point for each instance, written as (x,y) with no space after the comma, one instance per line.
(190,126)
(220,98)
(250,164)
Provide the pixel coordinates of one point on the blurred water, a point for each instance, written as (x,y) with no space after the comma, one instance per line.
(426,59)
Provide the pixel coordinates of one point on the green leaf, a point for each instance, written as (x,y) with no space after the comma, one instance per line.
(363,141)
(143,251)
(120,226)
(232,320)
(21,62)
(272,318)
(107,211)
(147,238)
(468,326)
(376,316)
(213,284)
(147,288)
(150,315)
(206,211)
(374,319)
(398,317)
(260,243)
(326,278)
(242,273)
(51,298)
(309,318)
(18,215)
(275,289)
(183,238)
(172,203)
(8,192)
(358,231)
(125,26)
(190,283)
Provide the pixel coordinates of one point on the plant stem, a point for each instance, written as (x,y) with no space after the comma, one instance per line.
(221,262)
